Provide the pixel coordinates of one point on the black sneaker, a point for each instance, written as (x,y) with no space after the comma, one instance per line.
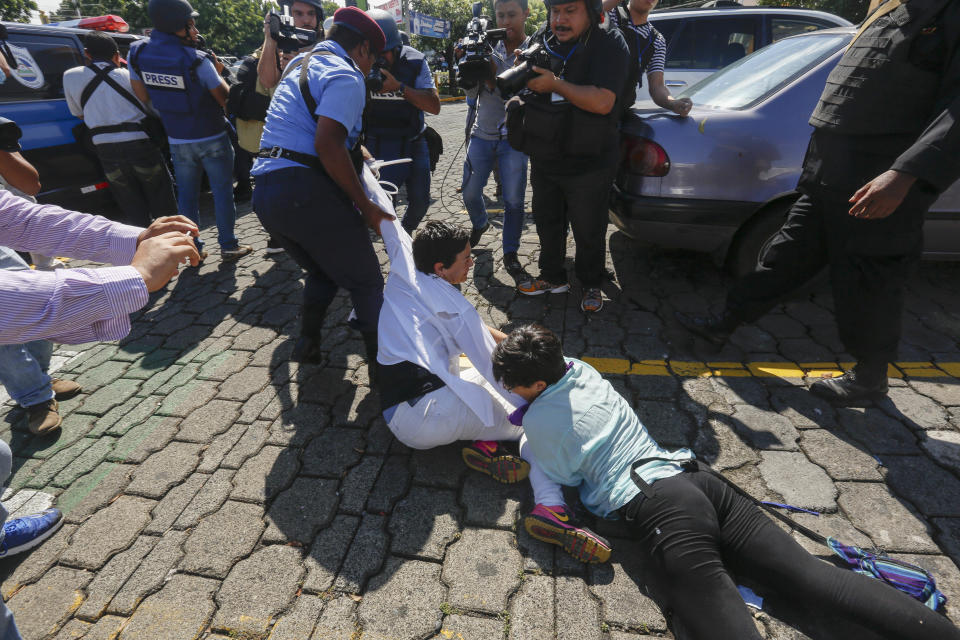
(715,330)
(273,246)
(850,389)
(512,263)
(476,234)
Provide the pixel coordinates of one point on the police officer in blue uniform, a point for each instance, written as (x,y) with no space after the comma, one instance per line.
(185,88)
(394,119)
(308,192)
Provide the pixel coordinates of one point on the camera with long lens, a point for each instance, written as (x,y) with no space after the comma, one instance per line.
(515,79)
(477,46)
(374,80)
(287,35)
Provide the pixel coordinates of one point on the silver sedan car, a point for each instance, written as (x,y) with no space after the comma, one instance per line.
(722,180)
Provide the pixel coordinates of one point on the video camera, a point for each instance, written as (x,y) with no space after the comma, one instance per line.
(289,37)
(374,79)
(477,45)
(515,79)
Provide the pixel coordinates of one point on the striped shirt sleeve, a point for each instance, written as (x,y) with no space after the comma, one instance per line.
(659,55)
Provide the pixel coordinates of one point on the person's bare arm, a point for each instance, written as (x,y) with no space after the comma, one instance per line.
(19,173)
(268,72)
(584,96)
(140,90)
(220,93)
(498,336)
(330,144)
(424,99)
(610,4)
(661,95)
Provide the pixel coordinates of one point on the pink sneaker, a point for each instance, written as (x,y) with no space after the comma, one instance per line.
(487,456)
(556,526)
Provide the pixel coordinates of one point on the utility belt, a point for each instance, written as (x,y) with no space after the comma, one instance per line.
(404,382)
(356,157)
(542,128)
(629,511)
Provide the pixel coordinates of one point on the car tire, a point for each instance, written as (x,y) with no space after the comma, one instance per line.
(754,236)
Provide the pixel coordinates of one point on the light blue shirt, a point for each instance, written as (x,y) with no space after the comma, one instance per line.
(336,84)
(583,433)
(209,79)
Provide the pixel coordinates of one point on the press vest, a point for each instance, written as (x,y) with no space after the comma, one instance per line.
(168,69)
(388,114)
(889,80)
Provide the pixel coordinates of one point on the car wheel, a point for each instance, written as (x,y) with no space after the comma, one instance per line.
(755,235)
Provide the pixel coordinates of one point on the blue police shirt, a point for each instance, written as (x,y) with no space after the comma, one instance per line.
(209,79)
(336,84)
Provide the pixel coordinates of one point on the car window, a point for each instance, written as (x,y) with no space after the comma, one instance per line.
(712,43)
(781,27)
(756,77)
(667,28)
(42,59)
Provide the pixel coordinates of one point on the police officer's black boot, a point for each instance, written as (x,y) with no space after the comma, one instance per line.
(371,344)
(715,330)
(866,382)
(307,349)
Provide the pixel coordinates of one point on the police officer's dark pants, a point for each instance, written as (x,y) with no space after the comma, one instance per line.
(139,180)
(869,260)
(580,201)
(317,224)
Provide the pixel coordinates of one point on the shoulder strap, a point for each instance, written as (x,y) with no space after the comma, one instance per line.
(103,75)
(91,86)
(304,83)
(649,48)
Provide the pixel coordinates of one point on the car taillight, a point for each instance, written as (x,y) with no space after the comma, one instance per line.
(645,157)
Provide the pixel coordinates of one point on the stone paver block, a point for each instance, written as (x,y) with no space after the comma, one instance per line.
(151,573)
(265,475)
(165,469)
(209,421)
(764,429)
(929,487)
(943,393)
(826,524)
(841,459)
(73,630)
(366,554)
(463,626)
(148,437)
(120,419)
(532,609)
(877,432)
(799,481)
(720,446)
(218,449)
(48,470)
(888,522)
(490,503)
(359,408)
(424,523)
(84,463)
(186,399)
(221,539)
(93,491)
(297,513)
(667,423)
(257,404)
(332,452)
(579,617)
(108,531)
(616,585)
(101,375)
(211,496)
(224,364)
(482,569)
(388,610)
(944,447)
(112,577)
(391,485)
(183,376)
(337,621)
(802,408)
(105,398)
(253,338)
(40,608)
(257,590)
(327,553)
(358,484)
(440,467)
(243,384)
(179,611)
(30,567)
(917,411)
(249,444)
(298,623)
(174,502)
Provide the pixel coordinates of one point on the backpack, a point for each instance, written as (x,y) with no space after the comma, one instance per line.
(244,101)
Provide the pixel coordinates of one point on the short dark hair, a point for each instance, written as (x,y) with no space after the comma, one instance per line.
(344,36)
(438,242)
(529,354)
(523,3)
(99,45)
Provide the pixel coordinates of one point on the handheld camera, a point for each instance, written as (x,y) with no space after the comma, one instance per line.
(477,45)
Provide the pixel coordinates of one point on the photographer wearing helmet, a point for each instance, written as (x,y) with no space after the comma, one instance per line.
(185,88)
(308,191)
(393,122)
(566,121)
(306,14)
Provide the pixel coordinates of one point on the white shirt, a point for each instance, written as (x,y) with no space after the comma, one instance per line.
(106,106)
(426,321)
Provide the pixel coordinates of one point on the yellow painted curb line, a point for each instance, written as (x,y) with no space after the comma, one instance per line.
(453,99)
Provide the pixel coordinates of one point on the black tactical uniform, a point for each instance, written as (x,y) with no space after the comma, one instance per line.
(891,103)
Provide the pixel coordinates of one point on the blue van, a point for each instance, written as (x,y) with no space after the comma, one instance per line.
(70,175)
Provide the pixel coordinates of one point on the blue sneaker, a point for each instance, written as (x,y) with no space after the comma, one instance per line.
(27,532)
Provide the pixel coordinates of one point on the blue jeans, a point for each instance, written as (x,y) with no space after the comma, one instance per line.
(416,174)
(513,179)
(216,158)
(23,367)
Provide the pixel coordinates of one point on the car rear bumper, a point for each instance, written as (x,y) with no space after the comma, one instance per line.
(679,223)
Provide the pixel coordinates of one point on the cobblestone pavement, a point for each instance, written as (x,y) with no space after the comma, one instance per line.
(214,489)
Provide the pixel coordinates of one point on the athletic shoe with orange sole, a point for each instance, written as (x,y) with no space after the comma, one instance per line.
(556,525)
(487,456)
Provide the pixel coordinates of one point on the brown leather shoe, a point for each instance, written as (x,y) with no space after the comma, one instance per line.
(43,418)
(64,389)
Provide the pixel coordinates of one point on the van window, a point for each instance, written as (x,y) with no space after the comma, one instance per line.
(781,27)
(712,43)
(42,60)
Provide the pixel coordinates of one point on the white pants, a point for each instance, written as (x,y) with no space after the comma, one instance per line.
(441,417)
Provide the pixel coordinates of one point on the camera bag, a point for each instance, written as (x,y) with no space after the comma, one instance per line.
(150,124)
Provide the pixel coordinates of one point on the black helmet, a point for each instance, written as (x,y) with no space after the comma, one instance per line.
(594,7)
(170,16)
(389,27)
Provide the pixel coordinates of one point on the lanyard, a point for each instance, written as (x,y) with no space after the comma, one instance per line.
(564,59)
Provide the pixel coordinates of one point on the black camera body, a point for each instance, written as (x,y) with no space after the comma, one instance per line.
(10,135)
(477,45)
(514,80)
(374,79)
(289,37)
